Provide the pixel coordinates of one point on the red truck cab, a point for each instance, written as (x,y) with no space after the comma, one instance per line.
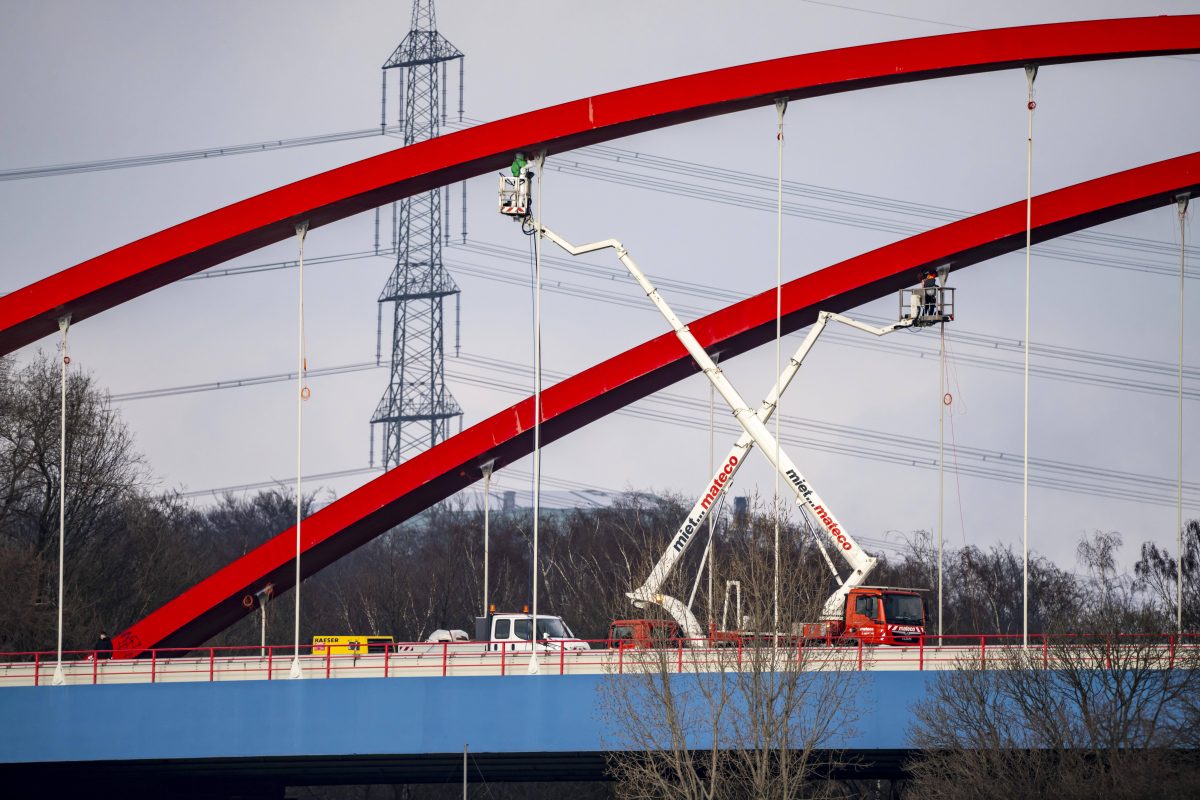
(643,634)
(876,615)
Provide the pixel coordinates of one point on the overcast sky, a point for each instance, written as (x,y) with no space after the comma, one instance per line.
(92,81)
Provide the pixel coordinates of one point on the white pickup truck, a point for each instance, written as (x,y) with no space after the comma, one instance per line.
(510,632)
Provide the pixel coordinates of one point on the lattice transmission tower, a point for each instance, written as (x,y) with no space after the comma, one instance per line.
(416,409)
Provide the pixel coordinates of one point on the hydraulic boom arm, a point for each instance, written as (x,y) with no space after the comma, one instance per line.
(860,562)
(718,485)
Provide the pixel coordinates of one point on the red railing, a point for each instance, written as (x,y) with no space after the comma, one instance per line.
(447,659)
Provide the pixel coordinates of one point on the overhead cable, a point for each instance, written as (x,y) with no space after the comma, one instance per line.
(101,165)
(874,445)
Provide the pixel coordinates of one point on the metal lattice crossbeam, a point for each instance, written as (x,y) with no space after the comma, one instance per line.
(422,47)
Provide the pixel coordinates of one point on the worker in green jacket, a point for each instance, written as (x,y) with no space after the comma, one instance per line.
(518,165)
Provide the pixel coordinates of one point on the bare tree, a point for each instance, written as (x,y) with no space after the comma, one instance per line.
(102,464)
(112,522)
(1108,710)
(752,718)
(1158,575)
(1089,717)
(983,588)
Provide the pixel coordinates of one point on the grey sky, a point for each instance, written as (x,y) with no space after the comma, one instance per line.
(89,81)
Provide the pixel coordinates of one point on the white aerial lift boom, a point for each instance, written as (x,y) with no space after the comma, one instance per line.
(650,592)
(752,422)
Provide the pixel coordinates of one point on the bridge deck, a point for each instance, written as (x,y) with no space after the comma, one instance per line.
(220,719)
(456,660)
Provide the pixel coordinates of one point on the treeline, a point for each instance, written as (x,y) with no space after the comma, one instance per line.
(130,548)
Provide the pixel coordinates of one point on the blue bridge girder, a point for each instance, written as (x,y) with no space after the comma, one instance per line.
(369,729)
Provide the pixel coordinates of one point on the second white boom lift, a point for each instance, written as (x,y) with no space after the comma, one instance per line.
(755,432)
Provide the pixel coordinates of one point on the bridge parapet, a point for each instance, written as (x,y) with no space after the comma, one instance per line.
(473,659)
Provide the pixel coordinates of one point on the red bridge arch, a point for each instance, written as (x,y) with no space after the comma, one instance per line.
(142,266)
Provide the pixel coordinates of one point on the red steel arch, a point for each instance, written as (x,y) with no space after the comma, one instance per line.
(215,603)
(144,265)
(161,258)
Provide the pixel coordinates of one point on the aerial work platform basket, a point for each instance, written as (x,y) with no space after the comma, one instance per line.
(515,195)
(927,305)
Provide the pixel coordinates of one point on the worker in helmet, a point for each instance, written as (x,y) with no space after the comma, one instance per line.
(514,191)
(518,165)
(930,296)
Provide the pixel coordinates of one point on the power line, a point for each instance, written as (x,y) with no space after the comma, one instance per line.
(691,288)
(902,347)
(927,20)
(558,483)
(841,196)
(888,14)
(709,292)
(238,383)
(908,347)
(728,198)
(679,167)
(908,444)
(103,165)
(280,482)
(883,446)
(905,346)
(272,266)
(1143,246)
